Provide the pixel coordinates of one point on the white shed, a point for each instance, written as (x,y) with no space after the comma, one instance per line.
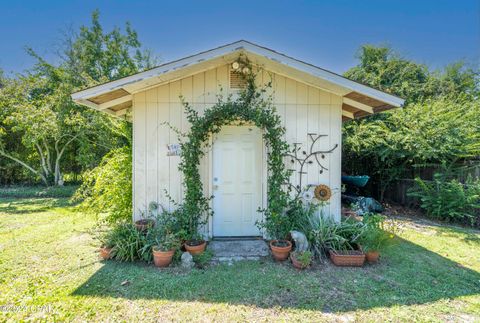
(311,101)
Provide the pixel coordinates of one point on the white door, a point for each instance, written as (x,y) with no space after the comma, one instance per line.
(236,180)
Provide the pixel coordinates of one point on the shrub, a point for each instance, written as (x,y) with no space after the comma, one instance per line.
(374,232)
(449,200)
(129,244)
(107,189)
(107,239)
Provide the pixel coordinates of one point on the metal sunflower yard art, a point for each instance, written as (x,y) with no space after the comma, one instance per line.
(322,192)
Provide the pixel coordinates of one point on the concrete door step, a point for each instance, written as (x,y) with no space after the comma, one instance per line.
(239,249)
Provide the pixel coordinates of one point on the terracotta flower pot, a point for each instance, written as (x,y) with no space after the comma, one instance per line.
(280,253)
(195,248)
(144,224)
(372,256)
(163,258)
(105,253)
(297,264)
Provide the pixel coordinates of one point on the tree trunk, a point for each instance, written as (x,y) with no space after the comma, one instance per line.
(39,174)
(45,161)
(58,180)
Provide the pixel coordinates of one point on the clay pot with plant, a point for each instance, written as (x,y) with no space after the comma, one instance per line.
(143,225)
(301,259)
(105,253)
(164,251)
(280,249)
(195,245)
(378,234)
(107,241)
(146,220)
(278,226)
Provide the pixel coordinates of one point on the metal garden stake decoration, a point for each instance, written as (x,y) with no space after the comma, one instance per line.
(308,157)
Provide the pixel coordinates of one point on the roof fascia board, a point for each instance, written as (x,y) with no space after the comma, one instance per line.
(162,69)
(329,76)
(181,74)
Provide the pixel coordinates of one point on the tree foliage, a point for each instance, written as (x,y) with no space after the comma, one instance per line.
(385,70)
(57,135)
(107,189)
(439,123)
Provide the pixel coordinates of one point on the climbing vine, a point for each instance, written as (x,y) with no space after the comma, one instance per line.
(251,106)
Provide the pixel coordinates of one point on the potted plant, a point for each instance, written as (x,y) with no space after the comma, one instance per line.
(143,225)
(376,237)
(344,249)
(164,251)
(147,222)
(280,249)
(203,259)
(107,246)
(347,257)
(278,226)
(301,259)
(195,245)
(105,252)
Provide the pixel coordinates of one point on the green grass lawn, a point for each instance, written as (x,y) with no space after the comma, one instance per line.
(49,269)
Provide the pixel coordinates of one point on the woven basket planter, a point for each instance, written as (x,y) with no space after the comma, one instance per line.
(350,258)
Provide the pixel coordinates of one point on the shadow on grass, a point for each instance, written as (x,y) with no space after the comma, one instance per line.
(32,205)
(408,274)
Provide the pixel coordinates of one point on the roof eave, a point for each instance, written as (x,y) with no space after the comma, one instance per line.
(82,97)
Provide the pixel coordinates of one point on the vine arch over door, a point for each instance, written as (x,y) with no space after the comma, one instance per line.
(251,107)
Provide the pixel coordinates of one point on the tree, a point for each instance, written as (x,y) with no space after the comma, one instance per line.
(438,125)
(381,68)
(38,109)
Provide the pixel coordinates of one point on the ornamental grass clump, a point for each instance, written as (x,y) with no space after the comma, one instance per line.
(326,234)
(128,243)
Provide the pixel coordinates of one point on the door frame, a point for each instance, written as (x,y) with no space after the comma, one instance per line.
(263,168)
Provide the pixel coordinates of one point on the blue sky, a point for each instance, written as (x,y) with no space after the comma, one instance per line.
(325,33)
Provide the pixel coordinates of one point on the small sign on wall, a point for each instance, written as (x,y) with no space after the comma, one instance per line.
(173,150)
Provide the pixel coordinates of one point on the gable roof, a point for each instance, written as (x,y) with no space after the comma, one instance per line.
(115,97)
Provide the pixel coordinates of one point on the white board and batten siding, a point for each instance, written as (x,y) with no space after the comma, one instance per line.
(303,109)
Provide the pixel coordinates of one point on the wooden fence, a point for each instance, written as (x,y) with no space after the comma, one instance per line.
(398,191)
